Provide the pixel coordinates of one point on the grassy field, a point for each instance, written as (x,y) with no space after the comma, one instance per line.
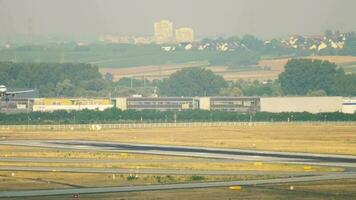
(333,139)
(277,65)
(226,166)
(150,61)
(266,69)
(33,152)
(140,161)
(339,139)
(322,190)
(51,180)
(123,55)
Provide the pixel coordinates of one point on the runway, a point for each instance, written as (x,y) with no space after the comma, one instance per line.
(220,154)
(199,152)
(30,193)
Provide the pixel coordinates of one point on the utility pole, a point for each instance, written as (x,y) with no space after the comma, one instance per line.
(175,118)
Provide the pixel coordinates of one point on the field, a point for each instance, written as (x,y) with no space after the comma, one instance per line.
(266,69)
(322,190)
(277,65)
(89,159)
(333,139)
(151,62)
(50,180)
(61,167)
(117,56)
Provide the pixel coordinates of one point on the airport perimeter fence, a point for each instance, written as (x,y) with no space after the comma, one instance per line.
(98,127)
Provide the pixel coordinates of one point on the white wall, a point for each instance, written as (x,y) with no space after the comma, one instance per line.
(121,103)
(349,105)
(204,103)
(301,104)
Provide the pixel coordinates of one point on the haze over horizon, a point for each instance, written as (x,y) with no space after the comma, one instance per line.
(272,18)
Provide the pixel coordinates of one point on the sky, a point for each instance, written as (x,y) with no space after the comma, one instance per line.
(264,18)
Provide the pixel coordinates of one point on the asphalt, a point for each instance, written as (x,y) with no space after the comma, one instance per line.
(198,152)
(52,192)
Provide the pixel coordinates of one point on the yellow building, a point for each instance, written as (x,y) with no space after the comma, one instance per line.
(163,31)
(53,104)
(184,34)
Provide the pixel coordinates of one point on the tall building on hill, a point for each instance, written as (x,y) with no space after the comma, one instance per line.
(163,31)
(184,34)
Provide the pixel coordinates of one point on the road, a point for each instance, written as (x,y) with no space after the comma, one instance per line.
(29,193)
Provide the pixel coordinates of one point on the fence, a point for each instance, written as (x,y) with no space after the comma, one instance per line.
(98,127)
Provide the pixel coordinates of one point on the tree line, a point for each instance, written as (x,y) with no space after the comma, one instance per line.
(302,77)
(69,80)
(132,116)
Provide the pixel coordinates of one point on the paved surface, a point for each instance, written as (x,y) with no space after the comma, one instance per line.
(199,152)
(202,152)
(29,193)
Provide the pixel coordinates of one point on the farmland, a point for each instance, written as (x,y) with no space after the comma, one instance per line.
(150,61)
(268,69)
(333,139)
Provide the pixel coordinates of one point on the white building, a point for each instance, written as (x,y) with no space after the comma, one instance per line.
(301,104)
(184,35)
(163,31)
(349,105)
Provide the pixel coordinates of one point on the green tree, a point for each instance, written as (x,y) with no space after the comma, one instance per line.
(252,43)
(192,82)
(231,92)
(350,45)
(304,75)
(54,79)
(312,77)
(316,93)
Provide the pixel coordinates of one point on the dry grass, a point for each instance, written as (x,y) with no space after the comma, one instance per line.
(34,152)
(160,72)
(332,139)
(276,67)
(150,72)
(225,166)
(336,190)
(47,180)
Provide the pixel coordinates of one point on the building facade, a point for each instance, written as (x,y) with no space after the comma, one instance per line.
(54,104)
(184,35)
(349,105)
(16,105)
(163,31)
(156,103)
(301,104)
(231,104)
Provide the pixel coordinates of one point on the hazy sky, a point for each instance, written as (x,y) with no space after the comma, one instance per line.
(265,18)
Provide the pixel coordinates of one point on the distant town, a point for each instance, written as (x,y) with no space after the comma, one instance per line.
(185,38)
(164,33)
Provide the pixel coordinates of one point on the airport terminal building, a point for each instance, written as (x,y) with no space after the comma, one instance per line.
(230,104)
